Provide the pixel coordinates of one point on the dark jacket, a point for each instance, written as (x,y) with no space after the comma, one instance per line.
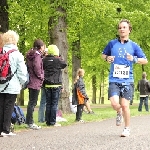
(79,95)
(52,70)
(35,69)
(142,87)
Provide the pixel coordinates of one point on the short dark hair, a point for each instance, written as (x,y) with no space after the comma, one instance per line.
(38,43)
(127,21)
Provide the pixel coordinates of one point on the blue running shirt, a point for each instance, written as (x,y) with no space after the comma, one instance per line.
(121,70)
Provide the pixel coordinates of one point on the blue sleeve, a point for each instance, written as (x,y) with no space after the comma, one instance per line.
(138,51)
(109,46)
(107,49)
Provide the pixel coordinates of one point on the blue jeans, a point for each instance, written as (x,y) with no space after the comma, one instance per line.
(33,98)
(145,100)
(41,112)
(52,97)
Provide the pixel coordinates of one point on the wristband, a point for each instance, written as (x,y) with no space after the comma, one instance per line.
(135,59)
(106,57)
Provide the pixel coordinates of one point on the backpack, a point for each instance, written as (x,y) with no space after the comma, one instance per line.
(5,69)
(18,116)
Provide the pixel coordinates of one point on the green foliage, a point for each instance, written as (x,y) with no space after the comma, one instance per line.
(30,20)
(94,23)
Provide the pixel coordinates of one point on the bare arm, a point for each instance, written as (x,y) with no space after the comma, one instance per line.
(137,60)
(142,61)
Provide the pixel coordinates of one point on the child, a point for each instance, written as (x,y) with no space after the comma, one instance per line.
(79,94)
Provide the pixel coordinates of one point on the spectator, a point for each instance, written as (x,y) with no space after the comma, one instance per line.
(36,77)
(79,94)
(143,89)
(10,89)
(52,82)
(122,53)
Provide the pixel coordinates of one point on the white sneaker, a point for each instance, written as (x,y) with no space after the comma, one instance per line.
(57,125)
(82,121)
(126,132)
(33,126)
(60,119)
(7,134)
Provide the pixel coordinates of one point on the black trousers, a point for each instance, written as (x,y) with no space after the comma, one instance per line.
(7,102)
(79,112)
(33,98)
(52,98)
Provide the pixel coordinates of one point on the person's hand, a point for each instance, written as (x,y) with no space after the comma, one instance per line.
(110,59)
(129,57)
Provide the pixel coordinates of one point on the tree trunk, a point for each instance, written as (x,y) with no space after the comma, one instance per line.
(20,98)
(100,93)
(94,89)
(4,23)
(102,86)
(142,68)
(76,59)
(22,47)
(58,36)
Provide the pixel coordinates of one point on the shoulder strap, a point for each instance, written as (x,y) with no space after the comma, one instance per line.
(10,51)
(8,82)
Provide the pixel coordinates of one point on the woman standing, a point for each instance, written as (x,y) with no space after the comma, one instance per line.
(36,77)
(10,89)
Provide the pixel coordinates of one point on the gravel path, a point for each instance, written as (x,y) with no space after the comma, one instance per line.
(103,135)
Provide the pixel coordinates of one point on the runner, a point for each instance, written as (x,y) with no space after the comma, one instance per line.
(122,53)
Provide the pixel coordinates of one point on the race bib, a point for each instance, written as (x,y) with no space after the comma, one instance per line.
(121,71)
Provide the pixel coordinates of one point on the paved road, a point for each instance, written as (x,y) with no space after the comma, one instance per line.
(103,135)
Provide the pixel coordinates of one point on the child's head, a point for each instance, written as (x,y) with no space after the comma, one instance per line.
(80,73)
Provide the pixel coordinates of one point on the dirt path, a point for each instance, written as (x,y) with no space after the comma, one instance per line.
(103,135)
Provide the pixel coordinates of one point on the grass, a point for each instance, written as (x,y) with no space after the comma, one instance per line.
(101,113)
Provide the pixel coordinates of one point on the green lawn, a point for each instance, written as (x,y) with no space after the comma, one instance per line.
(101,113)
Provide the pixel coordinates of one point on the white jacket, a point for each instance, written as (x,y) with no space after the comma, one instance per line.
(17,63)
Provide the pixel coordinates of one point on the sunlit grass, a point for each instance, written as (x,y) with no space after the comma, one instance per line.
(101,113)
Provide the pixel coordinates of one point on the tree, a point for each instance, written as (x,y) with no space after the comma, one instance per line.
(58,36)
(76,59)
(4,22)
(88,27)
